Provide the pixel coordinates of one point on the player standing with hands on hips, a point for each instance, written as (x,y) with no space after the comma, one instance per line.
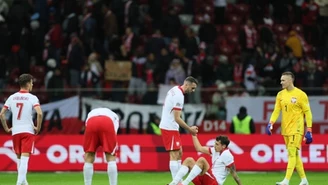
(21,104)
(171,120)
(294,104)
(100,130)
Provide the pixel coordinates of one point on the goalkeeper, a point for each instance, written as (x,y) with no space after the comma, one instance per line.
(294,104)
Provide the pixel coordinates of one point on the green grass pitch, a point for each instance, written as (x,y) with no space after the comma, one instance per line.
(153,178)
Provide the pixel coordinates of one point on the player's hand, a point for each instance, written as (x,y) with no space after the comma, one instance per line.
(308,136)
(193,130)
(36,130)
(269,129)
(8,130)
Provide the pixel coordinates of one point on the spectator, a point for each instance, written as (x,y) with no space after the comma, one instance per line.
(242,123)
(129,43)
(153,125)
(170,25)
(56,86)
(207,33)
(294,43)
(75,60)
(110,27)
(176,72)
(248,41)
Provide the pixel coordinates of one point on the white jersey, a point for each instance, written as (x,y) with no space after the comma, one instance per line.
(104,112)
(219,163)
(173,101)
(21,104)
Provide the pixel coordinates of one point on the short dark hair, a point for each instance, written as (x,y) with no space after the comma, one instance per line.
(24,79)
(288,73)
(191,80)
(224,140)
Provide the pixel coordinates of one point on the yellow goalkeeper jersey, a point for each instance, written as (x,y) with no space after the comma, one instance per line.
(293,104)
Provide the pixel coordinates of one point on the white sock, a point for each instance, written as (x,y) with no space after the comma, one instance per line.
(88,173)
(181,173)
(22,170)
(196,170)
(174,168)
(179,163)
(112,172)
(18,163)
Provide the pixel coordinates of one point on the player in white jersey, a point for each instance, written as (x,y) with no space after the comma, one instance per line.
(21,104)
(101,128)
(200,171)
(171,120)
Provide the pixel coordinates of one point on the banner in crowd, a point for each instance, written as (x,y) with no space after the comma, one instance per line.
(146,153)
(223,127)
(58,117)
(118,70)
(133,116)
(260,108)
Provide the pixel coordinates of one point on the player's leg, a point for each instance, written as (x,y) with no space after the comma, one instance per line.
(108,140)
(285,181)
(172,143)
(26,145)
(299,163)
(89,158)
(200,168)
(90,145)
(187,165)
(111,168)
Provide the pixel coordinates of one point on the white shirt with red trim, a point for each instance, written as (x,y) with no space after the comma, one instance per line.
(173,101)
(220,162)
(104,112)
(21,104)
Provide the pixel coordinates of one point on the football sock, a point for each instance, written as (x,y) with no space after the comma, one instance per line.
(181,173)
(299,166)
(174,168)
(112,172)
(18,163)
(179,163)
(291,162)
(22,170)
(196,170)
(88,173)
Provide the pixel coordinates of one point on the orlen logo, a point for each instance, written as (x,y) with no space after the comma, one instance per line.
(233,147)
(8,150)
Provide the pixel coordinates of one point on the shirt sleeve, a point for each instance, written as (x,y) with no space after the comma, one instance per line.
(178,103)
(227,159)
(7,103)
(35,101)
(306,110)
(277,108)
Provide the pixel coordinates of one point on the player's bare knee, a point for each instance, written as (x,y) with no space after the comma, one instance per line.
(110,157)
(202,162)
(174,155)
(89,157)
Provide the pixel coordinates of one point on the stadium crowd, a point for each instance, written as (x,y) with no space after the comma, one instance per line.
(233,47)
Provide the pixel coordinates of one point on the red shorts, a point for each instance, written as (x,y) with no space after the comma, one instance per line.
(206,179)
(171,139)
(23,143)
(100,131)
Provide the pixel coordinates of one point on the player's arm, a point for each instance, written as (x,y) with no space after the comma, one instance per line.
(199,147)
(3,119)
(307,111)
(234,174)
(38,118)
(183,124)
(276,111)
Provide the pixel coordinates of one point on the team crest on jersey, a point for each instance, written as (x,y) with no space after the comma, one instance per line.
(293,100)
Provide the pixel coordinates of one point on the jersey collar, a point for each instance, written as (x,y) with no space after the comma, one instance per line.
(23,91)
(181,89)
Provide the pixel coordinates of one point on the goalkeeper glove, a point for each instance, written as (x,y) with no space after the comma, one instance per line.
(308,136)
(269,128)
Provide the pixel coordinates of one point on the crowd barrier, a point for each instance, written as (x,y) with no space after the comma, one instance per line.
(146,153)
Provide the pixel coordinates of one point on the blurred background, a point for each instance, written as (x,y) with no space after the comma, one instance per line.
(126,54)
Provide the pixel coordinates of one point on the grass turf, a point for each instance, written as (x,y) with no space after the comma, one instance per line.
(153,178)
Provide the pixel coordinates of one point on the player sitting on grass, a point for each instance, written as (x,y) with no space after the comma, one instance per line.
(200,171)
